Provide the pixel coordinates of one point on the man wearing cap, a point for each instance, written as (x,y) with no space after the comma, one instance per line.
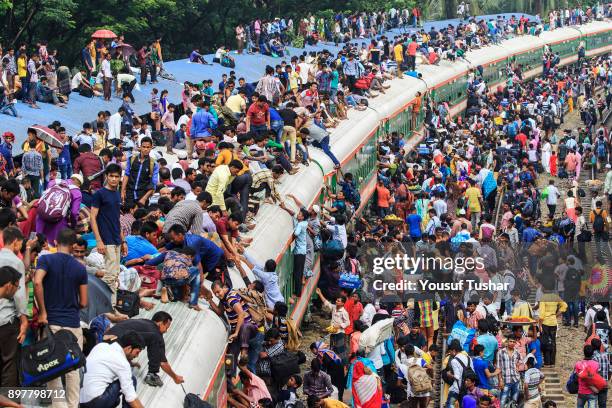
(51,229)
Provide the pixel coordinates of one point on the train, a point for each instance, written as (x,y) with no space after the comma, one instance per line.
(195,344)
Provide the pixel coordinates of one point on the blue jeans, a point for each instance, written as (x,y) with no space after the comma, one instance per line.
(9,109)
(452,397)
(586,400)
(65,170)
(571,313)
(602,398)
(277,127)
(510,392)
(109,398)
(259,129)
(194,284)
(255,346)
(324,145)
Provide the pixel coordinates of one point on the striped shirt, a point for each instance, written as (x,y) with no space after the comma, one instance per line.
(265,176)
(426,313)
(269,87)
(187,213)
(229,301)
(508,365)
(604,364)
(263,365)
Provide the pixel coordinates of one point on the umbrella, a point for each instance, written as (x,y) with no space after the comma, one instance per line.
(99,299)
(108,34)
(47,135)
(126,50)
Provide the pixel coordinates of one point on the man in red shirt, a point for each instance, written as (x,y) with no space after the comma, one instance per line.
(522,138)
(90,165)
(412,50)
(258,116)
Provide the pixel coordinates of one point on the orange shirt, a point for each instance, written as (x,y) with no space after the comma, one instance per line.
(383,195)
(416,106)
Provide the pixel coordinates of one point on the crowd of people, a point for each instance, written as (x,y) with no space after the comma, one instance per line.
(109,210)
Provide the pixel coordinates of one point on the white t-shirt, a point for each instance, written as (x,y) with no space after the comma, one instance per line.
(76,80)
(105,364)
(553,195)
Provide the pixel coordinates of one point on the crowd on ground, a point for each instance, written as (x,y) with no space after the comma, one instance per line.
(106,211)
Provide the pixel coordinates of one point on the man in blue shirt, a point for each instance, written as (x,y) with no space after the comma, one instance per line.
(60,289)
(414,224)
(268,276)
(202,121)
(487,340)
(300,231)
(105,214)
(140,246)
(209,257)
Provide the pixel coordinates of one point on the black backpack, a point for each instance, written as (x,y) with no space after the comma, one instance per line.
(599,224)
(284,365)
(467,371)
(193,401)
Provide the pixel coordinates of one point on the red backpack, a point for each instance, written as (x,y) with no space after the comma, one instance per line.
(54,203)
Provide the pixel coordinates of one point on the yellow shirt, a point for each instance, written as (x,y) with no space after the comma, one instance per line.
(293,80)
(226,156)
(398,51)
(332,403)
(219,180)
(236,103)
(550,305)
(473,194)
(22,67)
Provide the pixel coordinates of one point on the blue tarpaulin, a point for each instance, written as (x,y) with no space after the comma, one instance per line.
(249,66)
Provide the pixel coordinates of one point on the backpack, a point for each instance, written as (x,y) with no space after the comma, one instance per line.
(467,371)
(333,248)
(491,320)
(98,326)
(49,358)
(599,222)
(151,163)
(419,380)
(193,401)
(562,151)
(284,364)
(572,383)
(256,304)
(54,203)
(601,150)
